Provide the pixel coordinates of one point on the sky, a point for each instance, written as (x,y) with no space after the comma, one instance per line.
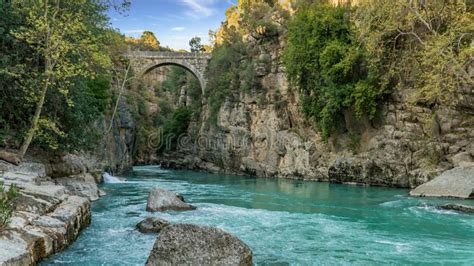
(174,22)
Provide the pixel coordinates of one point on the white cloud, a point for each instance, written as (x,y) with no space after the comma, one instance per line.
(178,28)
(200,8)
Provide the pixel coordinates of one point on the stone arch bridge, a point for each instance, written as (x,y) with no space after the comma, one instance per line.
(143,62)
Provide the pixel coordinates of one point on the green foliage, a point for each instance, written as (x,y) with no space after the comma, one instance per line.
(252,29)
(149,41)
(222,73)
(146,42)
(263,20)
(354,142)
(175,127)
(81,52)
(92,98)
(249,80)
(422,45)
(6,204)
(178,101)
(195,45)
(324,60)
(14,62)
(231,69)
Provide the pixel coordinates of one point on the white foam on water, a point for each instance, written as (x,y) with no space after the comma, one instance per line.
(110,179)
(399,247)
(433,209)
(153,169)
(394,203)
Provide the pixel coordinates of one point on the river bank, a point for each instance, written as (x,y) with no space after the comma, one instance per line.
(54,204)
(282,221)
(52,208)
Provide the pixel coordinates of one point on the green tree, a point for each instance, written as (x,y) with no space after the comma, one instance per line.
(59,34)
(14,64)
(195,45)
(149,41)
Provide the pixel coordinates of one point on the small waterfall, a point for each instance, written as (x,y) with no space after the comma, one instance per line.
(108,178)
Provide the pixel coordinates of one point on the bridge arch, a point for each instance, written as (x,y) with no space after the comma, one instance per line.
(196,63)
(199,76)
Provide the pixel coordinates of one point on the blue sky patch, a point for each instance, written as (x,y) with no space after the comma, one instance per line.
(174,22)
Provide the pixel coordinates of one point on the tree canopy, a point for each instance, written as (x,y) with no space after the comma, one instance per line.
(146,42)
(57,72)
(195,45)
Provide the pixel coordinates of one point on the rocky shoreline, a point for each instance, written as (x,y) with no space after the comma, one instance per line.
(55,199)
(53,206)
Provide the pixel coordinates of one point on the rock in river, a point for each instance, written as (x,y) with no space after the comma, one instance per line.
(457,182)
(188,244)
(458,207)
(152,225)
(164,200)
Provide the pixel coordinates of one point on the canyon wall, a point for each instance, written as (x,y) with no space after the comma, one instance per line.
(264,133)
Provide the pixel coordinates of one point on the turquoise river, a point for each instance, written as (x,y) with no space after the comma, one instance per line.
(285,222)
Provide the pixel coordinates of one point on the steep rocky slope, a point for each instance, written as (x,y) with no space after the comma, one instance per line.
(264,133)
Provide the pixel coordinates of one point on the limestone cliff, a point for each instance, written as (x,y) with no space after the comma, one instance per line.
(117,150)
(264,133)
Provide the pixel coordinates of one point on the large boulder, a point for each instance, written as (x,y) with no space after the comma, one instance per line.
(187,244)
(457,182)
(152,225)
(164,200)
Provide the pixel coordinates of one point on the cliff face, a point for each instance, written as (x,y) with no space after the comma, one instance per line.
(265,134)
(120,141)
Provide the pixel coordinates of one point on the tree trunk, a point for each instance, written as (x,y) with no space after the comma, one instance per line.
(39,106)
(34,124)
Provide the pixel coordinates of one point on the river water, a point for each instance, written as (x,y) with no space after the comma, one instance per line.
(283,221)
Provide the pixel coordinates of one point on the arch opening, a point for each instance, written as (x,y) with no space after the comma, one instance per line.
(172,86)
(199,76)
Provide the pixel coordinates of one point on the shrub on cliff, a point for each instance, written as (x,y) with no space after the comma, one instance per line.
(6,204)
(329,66)
(426,46)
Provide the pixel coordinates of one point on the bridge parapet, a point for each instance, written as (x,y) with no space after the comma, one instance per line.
(153,54)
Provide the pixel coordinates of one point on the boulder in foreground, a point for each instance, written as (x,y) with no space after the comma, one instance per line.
(188,244)
(458,208)
(152,225)
(457,183)
(164,200)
